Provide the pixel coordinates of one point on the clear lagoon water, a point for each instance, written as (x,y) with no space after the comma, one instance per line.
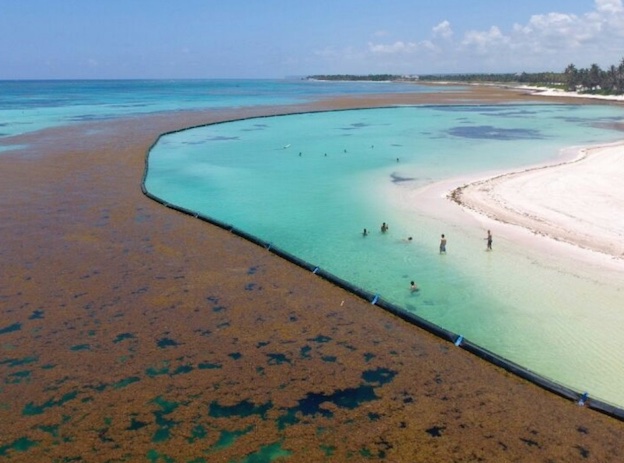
(310,184)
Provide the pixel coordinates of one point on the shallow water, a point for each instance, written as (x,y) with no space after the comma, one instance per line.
(311,183)
(28,106)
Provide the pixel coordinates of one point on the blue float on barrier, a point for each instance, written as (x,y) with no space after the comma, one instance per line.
(375,299)
(583,399)
(459,340)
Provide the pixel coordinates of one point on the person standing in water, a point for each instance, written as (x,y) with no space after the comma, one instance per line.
(489,241)
(443,244)
(413,287)
(365,232)
(384,227)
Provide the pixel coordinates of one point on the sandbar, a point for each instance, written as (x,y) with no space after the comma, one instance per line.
(578,201)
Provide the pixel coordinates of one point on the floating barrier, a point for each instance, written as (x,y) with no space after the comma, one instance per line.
(250,237)
(582,399)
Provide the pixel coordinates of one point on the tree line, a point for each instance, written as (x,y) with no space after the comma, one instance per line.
(593,80)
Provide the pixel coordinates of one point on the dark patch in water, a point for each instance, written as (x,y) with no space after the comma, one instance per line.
(165,425)
(11,328)
(182,370)
(19,445)
(36,315)
(242,409)
(136,424)
(278,359)
(355,126)
(153,371)
(396,178)
(122,337)
(311,404)
(18,377)
(166,342)
(488,132)
(435,431)
(126,382)
(208,366)
(379,376)
(305,352)
(529,442)
(222,138)
(79,347)
(31,409)
(583,451)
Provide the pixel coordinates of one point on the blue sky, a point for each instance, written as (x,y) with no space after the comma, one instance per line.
(87,39)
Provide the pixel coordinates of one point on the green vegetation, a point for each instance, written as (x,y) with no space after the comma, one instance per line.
(592,80)
(596,80)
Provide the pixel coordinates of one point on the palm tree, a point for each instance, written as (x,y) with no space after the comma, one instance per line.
(571,77)
(619,87)
(595,76)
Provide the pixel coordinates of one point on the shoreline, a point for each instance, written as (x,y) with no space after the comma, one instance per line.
(124,314)
(571,201)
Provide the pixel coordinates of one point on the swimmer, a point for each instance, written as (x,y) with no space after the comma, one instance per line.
(413,287)
(443,244)
(365,232)
(384,227)
(489,241)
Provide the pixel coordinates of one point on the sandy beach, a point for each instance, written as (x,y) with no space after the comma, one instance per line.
(578,201)
(131,332)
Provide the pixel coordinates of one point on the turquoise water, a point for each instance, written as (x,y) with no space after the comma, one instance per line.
(311,183)
(28,106)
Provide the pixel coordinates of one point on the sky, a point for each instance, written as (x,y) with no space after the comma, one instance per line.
(169,39)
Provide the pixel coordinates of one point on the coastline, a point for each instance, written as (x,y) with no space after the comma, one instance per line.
(130,314)
(574,201)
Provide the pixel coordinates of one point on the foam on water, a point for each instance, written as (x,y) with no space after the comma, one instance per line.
(310,184)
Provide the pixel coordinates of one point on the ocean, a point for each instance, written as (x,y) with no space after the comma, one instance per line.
(311,183)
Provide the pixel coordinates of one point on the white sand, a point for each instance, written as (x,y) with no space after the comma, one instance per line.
(580,202)
(543,91)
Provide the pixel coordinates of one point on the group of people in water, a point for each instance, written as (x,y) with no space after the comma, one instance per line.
(413,286)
